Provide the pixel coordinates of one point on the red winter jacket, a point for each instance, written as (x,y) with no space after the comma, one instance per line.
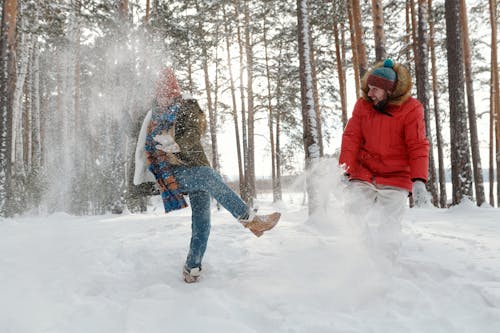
(386,150)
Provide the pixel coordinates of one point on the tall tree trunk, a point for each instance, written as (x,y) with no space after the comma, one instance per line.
(491,148)
(190,70)
(19,145)
(124,79)
(44,117)
(316,96)
(311,142)
(77,73)
(7,87)
(271,113)
(246,193)
(354,49)
(341,72)
(123,10)
(460,158)
(35,97)
(360,45)
(495,99)
(378,29)
(26,125)
(476,155)
(422,78)
(211,113)
(437,116)
(212,118)
(147,15)
(407,38)
(233,100)
(414,31)
(277,191)
(215,145)
(250,175)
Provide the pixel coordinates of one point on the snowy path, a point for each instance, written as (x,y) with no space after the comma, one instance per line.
(122,274)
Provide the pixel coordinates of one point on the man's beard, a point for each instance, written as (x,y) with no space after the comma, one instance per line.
(380,107)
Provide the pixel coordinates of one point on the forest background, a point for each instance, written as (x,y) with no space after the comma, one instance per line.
(276,79)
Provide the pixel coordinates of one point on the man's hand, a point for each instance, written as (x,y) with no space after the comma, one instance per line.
(344,178)
(421,197)
(166,143)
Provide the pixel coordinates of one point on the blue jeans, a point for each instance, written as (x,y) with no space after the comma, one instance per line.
(201,183)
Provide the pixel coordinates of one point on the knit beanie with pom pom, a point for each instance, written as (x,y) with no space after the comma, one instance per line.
(383,77)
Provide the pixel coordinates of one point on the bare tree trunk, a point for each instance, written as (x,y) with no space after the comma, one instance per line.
(476,155)
(460,157)
(437,116)
(378,29)
(246,193)
(250,175)
(495,97)
(24,49)
(146,16)
(277,190)
(407,38)
(341,73)
(491,149)
(233,100)
(215,144)
(44,115)
(361,50)
(211,114)
(316,96)
(26,133)
(77,96)
(311,145)
(123,10)
(354,49)
(414,30)
(35,97)
(271,113)
(190,72)
(7,87)
(422,77)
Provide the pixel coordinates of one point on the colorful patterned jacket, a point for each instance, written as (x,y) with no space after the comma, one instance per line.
(154,164)
(159,162)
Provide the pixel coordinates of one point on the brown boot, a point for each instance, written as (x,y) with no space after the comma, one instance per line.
(191,274)
(260,223)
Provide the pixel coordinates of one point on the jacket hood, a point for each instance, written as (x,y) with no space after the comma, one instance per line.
(403,85)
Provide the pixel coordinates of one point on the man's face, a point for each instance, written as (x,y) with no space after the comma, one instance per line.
(376,94)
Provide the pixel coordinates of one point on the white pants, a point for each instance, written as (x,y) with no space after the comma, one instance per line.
(378,212)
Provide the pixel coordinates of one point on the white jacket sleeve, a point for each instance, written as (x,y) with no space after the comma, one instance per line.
(141,172)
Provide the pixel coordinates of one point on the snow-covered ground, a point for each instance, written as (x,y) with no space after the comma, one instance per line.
(122,273)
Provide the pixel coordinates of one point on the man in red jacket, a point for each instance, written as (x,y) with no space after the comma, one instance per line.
(384,147)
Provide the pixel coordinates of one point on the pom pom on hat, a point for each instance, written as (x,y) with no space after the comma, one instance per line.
(383,77)
(167,86)
(388,63)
